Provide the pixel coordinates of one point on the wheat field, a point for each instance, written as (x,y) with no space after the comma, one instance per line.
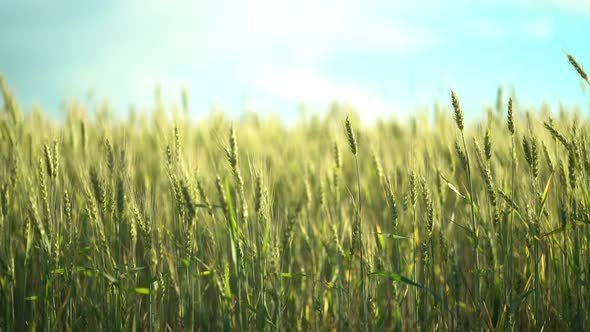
(158,222)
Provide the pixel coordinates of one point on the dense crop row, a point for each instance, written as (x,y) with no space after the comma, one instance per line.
(158,222)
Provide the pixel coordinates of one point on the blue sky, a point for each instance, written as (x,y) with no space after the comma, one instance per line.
(383,57)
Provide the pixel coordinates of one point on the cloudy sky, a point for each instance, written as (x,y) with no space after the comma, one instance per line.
(382,56)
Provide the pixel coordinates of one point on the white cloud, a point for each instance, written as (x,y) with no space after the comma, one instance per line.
(311,88)
(314,26)
(241,40)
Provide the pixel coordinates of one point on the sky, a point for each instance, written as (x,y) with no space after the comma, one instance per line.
(383,57)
